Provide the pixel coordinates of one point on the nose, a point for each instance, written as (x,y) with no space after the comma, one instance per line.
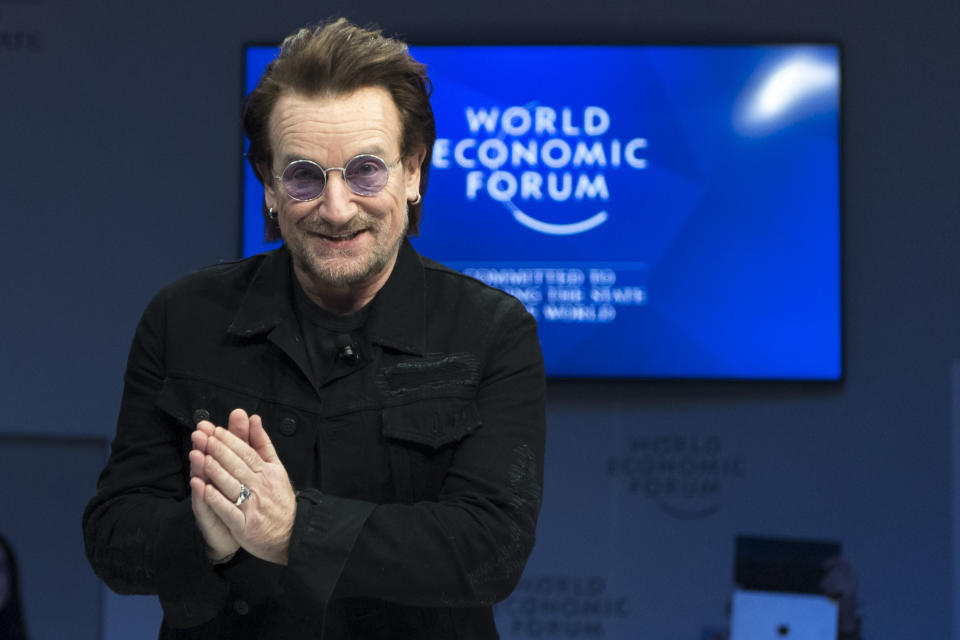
(337,204)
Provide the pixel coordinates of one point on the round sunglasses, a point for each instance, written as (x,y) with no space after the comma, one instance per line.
(365,175)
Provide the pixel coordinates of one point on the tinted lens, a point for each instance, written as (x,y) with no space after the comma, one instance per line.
(303,180)
(366,175)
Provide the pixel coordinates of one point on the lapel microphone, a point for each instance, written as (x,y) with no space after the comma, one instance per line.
(345,350)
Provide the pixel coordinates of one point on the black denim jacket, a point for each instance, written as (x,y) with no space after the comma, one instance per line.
(418,468)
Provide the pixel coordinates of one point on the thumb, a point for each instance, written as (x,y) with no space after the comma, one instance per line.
(260,441)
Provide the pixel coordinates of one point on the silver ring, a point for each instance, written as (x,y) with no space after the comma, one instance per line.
(244,494)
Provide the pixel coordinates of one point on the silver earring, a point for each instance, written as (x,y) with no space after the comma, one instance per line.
(271,215)
(417,201)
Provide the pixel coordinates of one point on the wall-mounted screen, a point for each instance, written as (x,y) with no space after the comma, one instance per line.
(664,211)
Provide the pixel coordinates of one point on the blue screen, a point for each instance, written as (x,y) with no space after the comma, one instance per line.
(663,211)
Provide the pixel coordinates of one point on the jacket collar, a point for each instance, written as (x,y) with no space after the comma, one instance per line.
(397,313)
(267,300)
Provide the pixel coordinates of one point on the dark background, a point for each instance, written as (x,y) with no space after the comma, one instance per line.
(121,150)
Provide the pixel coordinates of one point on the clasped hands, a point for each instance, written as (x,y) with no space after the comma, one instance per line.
(221,461)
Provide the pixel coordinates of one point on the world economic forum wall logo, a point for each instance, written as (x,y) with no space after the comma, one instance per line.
(685,475)
(535,158)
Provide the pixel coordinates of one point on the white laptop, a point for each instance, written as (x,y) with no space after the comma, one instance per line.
(768,615)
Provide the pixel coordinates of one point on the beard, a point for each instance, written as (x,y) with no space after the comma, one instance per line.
(338,267)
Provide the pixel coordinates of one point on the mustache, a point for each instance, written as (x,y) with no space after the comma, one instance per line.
(320,226)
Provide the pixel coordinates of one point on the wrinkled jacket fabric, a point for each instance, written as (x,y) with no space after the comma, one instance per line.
(418,469)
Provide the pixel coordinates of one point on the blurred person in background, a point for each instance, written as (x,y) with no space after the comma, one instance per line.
(840,584)
(12,625)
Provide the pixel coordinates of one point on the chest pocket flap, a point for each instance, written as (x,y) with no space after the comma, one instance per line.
(432,423)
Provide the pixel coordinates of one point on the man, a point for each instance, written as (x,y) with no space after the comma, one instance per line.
(340,438)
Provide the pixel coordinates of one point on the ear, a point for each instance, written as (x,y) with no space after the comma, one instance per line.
(411,173)
(269,185)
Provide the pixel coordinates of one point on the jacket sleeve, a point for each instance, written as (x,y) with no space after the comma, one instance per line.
(466,549)
(139,530)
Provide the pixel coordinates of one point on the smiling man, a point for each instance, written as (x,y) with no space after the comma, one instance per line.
(343,247)
(340,438)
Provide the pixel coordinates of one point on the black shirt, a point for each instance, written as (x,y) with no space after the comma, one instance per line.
(332,340)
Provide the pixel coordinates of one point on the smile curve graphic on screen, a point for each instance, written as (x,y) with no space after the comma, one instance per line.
(552,229)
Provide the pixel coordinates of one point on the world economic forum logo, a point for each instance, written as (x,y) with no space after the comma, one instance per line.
(685,475)
(524,157)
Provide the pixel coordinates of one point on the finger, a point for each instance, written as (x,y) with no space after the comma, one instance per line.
(239,425)
(199,441)
(196,465)
(234,454)
(227,483)
(207,520)
(224,509)
(260,441)
(197,487)
(218,537)
(224,444)
(205,426)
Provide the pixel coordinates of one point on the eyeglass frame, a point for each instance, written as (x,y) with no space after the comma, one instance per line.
(323,170)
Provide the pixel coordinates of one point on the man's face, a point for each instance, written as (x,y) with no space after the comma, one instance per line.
(341,242)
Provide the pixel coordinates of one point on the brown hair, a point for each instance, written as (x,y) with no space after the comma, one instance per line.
(339,58)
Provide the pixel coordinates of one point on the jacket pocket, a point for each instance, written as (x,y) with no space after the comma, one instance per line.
(422,438)
(432,423)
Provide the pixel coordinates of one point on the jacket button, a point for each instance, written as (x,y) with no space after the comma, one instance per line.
(288,426)
(241,607)
(199,415)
